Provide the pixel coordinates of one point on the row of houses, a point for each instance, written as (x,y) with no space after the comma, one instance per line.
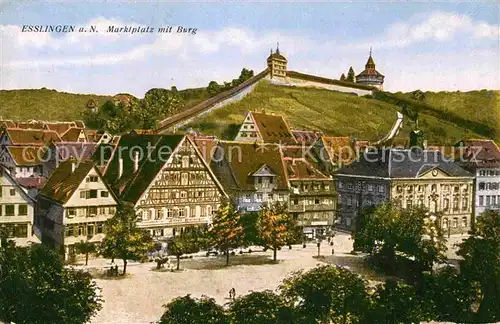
(178,181)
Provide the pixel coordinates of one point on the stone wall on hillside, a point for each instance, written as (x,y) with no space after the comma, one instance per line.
(288,81)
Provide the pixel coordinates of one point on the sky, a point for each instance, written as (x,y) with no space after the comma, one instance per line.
(416,45)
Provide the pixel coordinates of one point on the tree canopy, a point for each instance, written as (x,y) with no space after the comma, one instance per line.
(188,310)
(225,232)
(261,307)
(35,287)
(124,240)
(275,226)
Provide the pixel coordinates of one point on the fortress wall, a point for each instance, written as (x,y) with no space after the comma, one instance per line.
(313,84)
(236,97)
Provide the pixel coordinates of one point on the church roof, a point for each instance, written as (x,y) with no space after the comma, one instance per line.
(370,68)
(277,56)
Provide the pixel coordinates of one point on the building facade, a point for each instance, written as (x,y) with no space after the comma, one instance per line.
(171,188)
(482,158)
(74,205)
(312,195)
(16,211)
(277,64)
(252,174)
(407,178)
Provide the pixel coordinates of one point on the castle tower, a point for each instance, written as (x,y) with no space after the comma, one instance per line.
(370,76)
(277,64)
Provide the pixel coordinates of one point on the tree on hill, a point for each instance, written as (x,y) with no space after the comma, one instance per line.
(114,118)
(481,263)
(213,88)
(245,75)
(260,307)
(225,233)
(351,76)
(85,248)
(35,287)
(388,229)
(275,227)
(188,310)
(124,240)
(157,104)
(326,294)
(342,77)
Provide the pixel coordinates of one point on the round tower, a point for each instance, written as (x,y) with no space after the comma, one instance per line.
(370,76)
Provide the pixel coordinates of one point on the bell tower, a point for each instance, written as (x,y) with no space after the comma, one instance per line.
(277,64)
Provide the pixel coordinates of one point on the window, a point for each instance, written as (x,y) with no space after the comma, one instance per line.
(100,227)
(399,189)
(465,203)
(22,210)
(446,204)
(83,194)
(185,161)
(409,189)
(358,185)
(20,231)
(9,210)
(420,188)
(455,222)
(70,231)
(71,212)
(12,192)
(281,197)
(104,194)
(455,203)
(380,188)
(169,213)
(198,211)
(184,179)
(258,197)
(186,210)
(209,210)
(159,214)
(445,223)
(370,187)
(90,194)
(295,201)
(341,185)
(92,179)
(434,188)
(409,203)
(316,201)
(481,200)
(349,201)
(182,213)
(464,221)
(90,229)
(184,194)
(92,211)
(247,198)
(487,200)
(350,186)
(112,210)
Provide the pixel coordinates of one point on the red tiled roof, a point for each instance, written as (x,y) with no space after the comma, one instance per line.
(31,136)
(27,155)
(273,128)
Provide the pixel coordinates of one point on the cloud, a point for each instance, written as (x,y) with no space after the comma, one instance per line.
(437,26)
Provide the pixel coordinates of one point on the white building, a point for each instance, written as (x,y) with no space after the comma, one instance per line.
(16,210)
(73,205)
(482,158)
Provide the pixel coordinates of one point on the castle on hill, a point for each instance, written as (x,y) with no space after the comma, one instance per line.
(277,66)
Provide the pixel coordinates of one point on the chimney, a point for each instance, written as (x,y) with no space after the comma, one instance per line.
(120,167)
(136,161)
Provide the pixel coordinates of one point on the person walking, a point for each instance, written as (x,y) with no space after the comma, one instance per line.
(232,293)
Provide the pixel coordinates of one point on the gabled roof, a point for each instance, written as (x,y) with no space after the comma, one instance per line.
(401,163)
(72,134)
(273,128)
(77,150)
(4,172)
(149,167)
(241,160)
(31,136)
(27,155)
(307,137)
(64,181)
(480,149)
(339,149)
(33,124)
(59,128)
(300,164)
(206,146)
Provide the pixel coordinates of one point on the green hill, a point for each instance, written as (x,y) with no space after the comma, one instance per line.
(337,113)
(44,104)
